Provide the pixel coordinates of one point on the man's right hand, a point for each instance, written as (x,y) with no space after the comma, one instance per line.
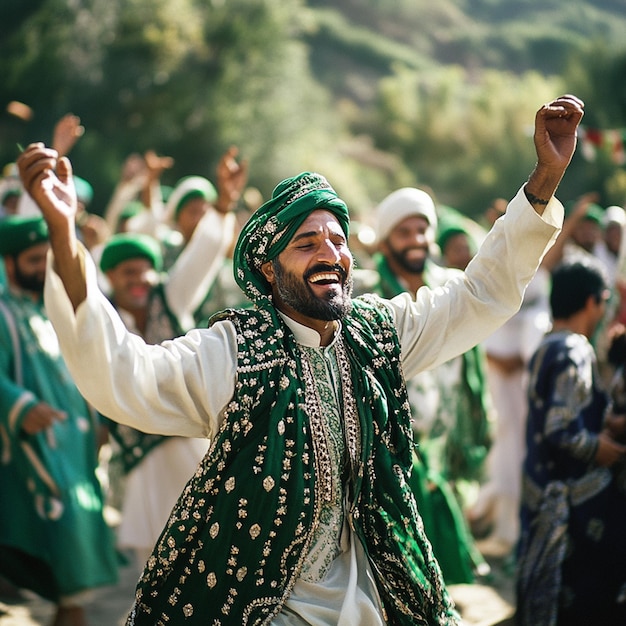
(48,179)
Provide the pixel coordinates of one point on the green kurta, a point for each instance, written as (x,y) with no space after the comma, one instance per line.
(53,537)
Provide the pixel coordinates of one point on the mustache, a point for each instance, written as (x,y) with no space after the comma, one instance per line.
(323,267)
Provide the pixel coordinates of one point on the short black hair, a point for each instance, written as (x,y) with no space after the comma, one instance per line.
(572,284)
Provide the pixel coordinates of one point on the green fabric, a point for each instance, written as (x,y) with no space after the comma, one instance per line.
(444,524)
(84,190)
(3,274)
(124,246)
(266,234)
(469,441)
(224,293)
(237,538)
(447,232)
(17,233)
(460,456)
(595,213)
(53,536)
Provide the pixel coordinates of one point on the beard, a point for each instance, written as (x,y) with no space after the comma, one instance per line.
(401,258)
(299,296)
(29,282)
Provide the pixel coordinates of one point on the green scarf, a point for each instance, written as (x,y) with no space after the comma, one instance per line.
(237,538)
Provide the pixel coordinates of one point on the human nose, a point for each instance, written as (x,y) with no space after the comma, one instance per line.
(420,238)
(328,252)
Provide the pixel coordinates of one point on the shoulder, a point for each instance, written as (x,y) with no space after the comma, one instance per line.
(566,349)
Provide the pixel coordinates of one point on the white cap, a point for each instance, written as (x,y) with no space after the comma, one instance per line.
(185,186)
(614,215)
(403,203)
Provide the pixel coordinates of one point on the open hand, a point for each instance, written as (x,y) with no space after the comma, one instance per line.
(67,131)
(48,180)
(232,176)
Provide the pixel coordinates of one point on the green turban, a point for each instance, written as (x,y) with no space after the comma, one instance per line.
(124,246)
(17,233)
(272,226)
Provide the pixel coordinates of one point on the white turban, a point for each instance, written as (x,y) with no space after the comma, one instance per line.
(614,215)
(403,203)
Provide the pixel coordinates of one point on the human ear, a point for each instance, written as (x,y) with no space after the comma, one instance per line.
(267,269)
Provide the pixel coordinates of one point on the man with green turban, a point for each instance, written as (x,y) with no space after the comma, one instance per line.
(156,306)
(300,513)
(54,539)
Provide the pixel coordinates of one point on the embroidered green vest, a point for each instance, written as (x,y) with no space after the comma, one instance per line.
(238,537)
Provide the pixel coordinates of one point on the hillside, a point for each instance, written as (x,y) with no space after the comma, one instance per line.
(356,42)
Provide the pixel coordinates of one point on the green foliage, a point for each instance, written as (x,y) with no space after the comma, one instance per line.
(373,93)
(468,142)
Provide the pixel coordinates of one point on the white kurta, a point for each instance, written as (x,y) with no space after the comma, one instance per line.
(153,486)
(182,386)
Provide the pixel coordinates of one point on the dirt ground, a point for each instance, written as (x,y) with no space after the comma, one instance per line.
(488,603)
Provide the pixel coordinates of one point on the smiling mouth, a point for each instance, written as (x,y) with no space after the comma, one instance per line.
(325,278)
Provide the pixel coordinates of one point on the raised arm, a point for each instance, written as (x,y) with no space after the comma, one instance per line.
(48,180)
(556,124)
(469,308)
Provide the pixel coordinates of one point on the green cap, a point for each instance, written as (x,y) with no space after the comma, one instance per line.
(84,191)
(17,233)
(125,246)
(595,213)
(447,231)
(11,192)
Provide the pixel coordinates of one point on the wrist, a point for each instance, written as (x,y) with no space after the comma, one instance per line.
(223,205)
(541,186)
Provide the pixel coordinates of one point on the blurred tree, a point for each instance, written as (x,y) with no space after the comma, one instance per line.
(468,141)
(598,75)
(186,78)
(400,95)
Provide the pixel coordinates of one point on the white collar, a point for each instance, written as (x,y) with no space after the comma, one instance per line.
(305,335)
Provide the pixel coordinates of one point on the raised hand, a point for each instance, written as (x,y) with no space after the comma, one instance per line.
(48,180)
(157,164)
(67,131)
(231,180)
(556,124)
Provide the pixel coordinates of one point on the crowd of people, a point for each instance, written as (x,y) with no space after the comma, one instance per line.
(290,440)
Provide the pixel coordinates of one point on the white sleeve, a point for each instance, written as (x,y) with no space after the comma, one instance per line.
(198,265)
(180,387)
(447,321)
